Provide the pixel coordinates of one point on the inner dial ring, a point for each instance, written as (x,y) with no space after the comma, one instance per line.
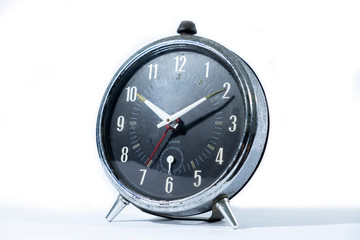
(171,160)
(206,138)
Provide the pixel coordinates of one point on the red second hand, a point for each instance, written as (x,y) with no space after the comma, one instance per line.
(157,146)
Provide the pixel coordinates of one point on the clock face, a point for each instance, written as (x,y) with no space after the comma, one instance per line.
(174,124)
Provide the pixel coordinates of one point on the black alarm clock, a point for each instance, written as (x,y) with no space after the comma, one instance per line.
(182,127)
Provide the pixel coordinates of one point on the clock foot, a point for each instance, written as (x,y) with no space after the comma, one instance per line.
(222,209)
(116,208)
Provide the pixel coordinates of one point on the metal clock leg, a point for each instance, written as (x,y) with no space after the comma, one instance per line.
(222,209)
(116,208)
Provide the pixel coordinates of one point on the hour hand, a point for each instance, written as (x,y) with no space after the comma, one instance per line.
(160,113)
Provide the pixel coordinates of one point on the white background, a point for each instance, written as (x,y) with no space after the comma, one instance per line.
(57,57)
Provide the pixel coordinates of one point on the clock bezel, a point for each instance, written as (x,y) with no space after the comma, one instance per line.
(241,168)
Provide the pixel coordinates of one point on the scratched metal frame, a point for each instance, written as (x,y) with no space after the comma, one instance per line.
(250,151)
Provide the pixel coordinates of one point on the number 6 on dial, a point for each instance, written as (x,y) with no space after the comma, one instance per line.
(169,185)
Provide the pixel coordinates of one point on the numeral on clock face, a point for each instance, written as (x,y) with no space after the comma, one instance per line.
(169,185)
(198,177)
(227,87)
(233,127)
(153,71)
(120,123)
(143,176)
(219,156)
(207,69)
(131,94)
(180,62)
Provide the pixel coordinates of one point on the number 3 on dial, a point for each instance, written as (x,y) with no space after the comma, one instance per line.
(233,127)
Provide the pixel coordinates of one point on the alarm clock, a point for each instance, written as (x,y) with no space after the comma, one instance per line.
(182,127)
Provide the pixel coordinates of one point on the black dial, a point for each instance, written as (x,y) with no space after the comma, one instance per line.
(175,123)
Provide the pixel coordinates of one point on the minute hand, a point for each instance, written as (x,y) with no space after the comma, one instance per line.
(187,109)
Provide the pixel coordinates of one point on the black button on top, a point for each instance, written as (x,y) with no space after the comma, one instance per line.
(187,27)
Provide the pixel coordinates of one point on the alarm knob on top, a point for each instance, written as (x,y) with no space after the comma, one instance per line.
(187,27)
